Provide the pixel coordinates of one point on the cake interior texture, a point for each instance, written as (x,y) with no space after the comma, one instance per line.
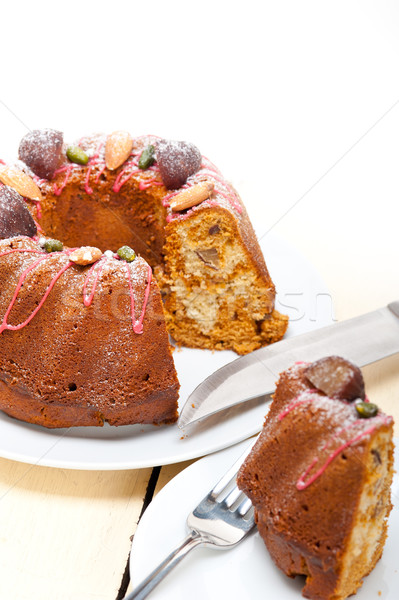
(319,478)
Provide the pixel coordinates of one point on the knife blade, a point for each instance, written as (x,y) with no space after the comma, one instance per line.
(362,340)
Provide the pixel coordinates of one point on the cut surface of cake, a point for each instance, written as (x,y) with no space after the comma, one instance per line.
(173,206)
(319,477)
(82,333)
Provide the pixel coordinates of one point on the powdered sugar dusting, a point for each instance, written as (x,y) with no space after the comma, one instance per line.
(335,425)
(41,150)
(177,161)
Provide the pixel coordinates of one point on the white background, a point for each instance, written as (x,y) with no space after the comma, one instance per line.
(274,92)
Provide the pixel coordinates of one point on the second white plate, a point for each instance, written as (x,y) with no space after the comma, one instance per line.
(245,572)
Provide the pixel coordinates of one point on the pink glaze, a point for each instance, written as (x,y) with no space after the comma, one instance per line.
(131,168)
(300,400)
(88,299)
(21,281)
(209,167)
(302,484)
(138,325)
(182,216)
(97,179)
(119,182)
(88,189)
(226,193)
(93,161)
(143,185)
(296,402)
(68,170)
(97,267)
(22,250)
(38,208)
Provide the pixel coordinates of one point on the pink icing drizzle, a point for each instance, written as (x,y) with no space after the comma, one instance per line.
(87,299)
(138,324)
(93,161)
(97,179)
(302,484)
(119,181)
(66,169)
(21,281)
(222,188)
(298,401)
(132,168)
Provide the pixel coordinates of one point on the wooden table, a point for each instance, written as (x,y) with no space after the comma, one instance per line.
(66,534)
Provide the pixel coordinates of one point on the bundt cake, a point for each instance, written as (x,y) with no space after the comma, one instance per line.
(172,205)
(82,333)
(319,477)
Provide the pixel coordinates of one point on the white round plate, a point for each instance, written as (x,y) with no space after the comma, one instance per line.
(301,294)
(245,572)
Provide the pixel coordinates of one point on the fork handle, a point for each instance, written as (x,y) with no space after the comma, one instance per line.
(149,583)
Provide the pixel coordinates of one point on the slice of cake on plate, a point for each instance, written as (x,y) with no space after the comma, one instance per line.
(319,477)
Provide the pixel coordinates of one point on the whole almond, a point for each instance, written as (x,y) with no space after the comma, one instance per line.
(192,196)
(118,147)
(20,182)
(86,255)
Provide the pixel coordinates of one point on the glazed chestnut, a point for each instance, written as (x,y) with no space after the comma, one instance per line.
(337,378)
(177,161)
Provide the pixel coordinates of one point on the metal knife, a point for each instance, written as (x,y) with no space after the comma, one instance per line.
(362,340)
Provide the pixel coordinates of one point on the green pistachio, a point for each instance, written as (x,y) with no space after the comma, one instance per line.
(77,155)
(147,157)
(366,409)
(53,246)
(126,253)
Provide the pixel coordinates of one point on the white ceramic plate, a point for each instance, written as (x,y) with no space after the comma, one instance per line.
(245,572)
(301,294)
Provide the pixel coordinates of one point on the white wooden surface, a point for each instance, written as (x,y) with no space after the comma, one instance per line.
(297,103)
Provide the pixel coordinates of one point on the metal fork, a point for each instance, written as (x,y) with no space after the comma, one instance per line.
(221,520)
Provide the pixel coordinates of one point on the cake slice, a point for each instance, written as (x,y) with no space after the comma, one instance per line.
(319,477)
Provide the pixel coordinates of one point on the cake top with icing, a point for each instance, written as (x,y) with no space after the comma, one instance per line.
(39,255)
(320,427)
(154,162)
